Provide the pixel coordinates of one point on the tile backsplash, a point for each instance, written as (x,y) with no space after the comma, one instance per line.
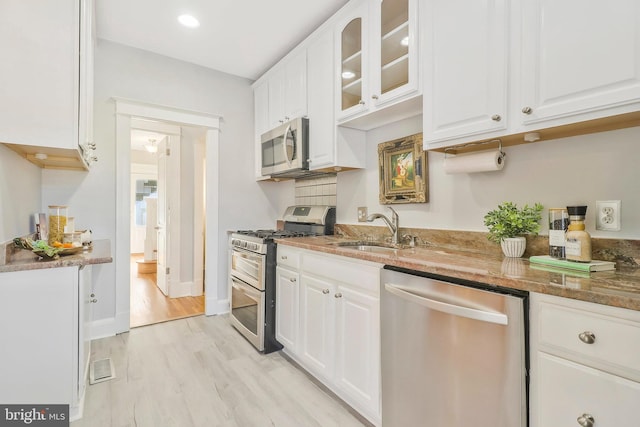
(317,191)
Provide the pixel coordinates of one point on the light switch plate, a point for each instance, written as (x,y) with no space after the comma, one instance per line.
(362,214)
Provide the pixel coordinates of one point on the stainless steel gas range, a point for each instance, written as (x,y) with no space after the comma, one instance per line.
(252,271)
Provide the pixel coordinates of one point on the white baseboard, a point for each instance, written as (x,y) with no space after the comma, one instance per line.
(103,328)
(181,289)
(214,306)
(197,288)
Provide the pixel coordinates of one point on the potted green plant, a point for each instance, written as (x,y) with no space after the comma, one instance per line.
(507,224)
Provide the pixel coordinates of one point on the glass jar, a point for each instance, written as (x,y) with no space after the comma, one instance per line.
(578,241)
(57,221)
(75,238)
(558,224)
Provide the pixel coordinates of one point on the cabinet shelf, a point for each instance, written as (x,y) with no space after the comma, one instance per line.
(395,74)
(392,47)
(353,88)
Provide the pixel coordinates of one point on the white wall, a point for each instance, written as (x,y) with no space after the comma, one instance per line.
(19,195)
(568,171)
(142,76)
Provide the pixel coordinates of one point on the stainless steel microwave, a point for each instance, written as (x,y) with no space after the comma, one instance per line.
(285,149)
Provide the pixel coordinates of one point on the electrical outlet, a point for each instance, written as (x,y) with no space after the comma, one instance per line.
(362,214)
(608,215)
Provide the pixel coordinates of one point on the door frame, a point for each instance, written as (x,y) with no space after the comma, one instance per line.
(126,111)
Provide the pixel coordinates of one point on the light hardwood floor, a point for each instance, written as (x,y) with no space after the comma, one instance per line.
(200,372)
(149,305)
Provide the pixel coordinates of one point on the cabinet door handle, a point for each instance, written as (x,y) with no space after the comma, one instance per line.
(94,300)
(374,96)
(586,420)
(92,295)
(283,257)
(527,110)
(293,280)
(361,102)
(496,117)
(587,337)
(338,295)
(325,291)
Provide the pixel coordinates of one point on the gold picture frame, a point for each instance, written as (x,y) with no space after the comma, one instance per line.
(403,170)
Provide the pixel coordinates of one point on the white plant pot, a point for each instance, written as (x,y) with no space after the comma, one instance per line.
(513,247)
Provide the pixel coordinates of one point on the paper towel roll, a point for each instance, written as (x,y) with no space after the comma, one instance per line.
(483,161)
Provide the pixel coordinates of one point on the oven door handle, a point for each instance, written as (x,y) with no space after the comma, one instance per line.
(246,288)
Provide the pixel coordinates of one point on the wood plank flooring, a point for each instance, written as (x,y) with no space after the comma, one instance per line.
(149,305)
(200,372)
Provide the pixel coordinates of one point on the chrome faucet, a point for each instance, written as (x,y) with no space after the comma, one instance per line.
(393,226)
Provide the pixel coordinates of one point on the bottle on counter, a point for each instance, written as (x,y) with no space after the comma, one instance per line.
(578,241)
(558,224)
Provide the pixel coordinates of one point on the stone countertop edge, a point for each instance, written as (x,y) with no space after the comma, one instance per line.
(99,253)
(620,288)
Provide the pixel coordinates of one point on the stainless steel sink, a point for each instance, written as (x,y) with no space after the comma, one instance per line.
(363,246)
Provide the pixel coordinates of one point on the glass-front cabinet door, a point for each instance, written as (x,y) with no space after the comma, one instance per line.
(353,56)
(377,45)
(396,49)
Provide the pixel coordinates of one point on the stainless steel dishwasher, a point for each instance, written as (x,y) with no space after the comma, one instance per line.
(453,354)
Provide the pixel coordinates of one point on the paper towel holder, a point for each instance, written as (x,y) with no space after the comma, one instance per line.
(469,144)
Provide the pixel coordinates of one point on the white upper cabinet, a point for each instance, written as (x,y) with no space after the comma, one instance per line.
(330,147)
(47,97)
(580,60)
(377,58)
(466,84)
(288,90)
(507,67)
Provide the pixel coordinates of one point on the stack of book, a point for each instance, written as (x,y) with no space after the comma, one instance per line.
(585,267)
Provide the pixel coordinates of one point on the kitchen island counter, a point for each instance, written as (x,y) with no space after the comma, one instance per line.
(21,260)
(620,288)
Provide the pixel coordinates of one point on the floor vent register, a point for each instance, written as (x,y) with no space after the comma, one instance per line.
(101,370)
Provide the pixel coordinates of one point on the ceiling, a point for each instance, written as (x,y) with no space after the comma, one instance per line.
(240,37)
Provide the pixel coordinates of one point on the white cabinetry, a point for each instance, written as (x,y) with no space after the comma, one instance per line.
(585,368)
(47,97)
(330,147)
(288,90)
(339,325)
(465,69)
(507,67)
(44,316)
(287,298)
(377,56)
(578,67)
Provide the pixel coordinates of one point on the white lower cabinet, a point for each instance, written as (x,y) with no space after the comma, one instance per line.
(44,317)
(287,301)
(338,337)
(584,363)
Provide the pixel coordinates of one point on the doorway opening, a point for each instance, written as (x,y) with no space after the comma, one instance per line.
(163,284)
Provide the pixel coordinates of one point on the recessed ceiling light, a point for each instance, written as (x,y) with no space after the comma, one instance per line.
(348,74)
(188,21)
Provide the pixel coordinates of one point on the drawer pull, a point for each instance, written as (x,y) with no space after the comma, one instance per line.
(283,257)
(292,280)
(587,337)
(325,291)
(586,420)
(338,295)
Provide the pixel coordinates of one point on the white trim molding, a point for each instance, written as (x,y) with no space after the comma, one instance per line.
(130,114)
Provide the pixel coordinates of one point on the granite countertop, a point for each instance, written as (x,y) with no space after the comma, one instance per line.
(21,260)
(620,288)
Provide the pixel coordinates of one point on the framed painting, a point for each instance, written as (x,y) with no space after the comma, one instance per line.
(403,170)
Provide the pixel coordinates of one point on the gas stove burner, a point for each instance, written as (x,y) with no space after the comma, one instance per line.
(273,234)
